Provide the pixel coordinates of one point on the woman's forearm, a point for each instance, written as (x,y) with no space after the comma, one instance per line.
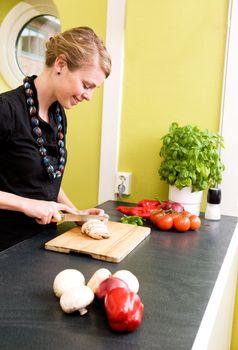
(10,201)
(43,211)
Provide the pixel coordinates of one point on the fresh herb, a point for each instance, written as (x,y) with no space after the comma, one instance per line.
(133,220)
(190,157)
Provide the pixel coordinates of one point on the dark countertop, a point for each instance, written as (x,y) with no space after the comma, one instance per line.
(177,273)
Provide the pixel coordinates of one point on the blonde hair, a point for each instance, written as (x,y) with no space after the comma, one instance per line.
(80,46)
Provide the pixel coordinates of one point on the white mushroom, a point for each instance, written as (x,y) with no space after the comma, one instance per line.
(66,280)
(77,299)
(99,276)
(129,278)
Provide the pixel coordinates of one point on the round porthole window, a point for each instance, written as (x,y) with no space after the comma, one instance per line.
(23,34)
(30,44)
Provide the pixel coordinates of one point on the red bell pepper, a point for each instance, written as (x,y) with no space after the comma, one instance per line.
(125,210)
(108,284)
(148,203)
(124,310)
(136,211)
(143,212)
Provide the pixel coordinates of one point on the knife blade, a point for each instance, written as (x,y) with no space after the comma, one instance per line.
(81,217)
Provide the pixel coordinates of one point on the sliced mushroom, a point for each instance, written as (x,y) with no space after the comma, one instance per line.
(95,229)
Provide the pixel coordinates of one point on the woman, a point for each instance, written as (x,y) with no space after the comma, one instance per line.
(33,131)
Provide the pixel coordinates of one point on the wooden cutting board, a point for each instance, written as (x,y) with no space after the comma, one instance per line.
(124,238)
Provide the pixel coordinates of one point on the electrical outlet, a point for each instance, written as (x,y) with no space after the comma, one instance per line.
(123,183)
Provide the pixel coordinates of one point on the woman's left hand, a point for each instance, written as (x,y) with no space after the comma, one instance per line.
(92,211)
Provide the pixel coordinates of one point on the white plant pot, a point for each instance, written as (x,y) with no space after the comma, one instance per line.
(190,200)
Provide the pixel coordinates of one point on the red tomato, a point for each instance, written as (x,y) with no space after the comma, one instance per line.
(182,223)
(195,222)
(154,215)
(164,223)
(186,213)
(174,215)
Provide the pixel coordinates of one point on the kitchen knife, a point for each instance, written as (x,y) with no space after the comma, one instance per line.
(82,217)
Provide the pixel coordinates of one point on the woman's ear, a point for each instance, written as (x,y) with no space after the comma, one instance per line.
(60,63)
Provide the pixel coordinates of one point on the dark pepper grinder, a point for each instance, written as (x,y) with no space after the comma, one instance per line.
(213,208)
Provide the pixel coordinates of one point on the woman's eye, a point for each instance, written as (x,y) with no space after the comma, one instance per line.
(85,86)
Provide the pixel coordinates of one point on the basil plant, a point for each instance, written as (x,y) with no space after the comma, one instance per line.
(190,157)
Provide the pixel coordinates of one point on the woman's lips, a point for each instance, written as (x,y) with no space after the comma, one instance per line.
(75,100)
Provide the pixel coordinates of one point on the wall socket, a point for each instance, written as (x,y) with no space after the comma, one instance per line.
(123,183)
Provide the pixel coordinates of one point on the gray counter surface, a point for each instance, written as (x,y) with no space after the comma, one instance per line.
(177,273)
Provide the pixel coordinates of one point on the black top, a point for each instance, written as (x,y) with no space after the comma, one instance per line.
(21,169)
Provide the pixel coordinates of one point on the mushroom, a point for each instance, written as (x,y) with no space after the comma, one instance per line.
(95,229)
(76,299)
(129,278)
(99,276)
(66,280)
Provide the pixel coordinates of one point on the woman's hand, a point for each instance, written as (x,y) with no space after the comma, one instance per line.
(92,211)
(45,211)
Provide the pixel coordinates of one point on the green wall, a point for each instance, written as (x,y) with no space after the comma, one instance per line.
(234,339)
(174,58)
(81,177)
(5,7)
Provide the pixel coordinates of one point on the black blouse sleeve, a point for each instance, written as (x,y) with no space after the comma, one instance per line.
(6,119)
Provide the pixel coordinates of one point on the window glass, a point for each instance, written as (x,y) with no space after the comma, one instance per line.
(30,44)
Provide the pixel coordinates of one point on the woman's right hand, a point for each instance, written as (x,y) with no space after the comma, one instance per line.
(45,212)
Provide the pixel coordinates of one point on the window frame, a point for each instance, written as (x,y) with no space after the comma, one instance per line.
(10,28)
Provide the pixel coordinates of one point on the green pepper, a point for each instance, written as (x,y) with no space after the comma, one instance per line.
(133,220)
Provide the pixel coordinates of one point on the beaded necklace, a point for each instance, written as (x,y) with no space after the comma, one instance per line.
(36,130)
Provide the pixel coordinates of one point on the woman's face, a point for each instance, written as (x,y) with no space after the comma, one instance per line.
(72,87)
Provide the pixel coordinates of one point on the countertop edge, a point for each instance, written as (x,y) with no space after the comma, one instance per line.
(214,332)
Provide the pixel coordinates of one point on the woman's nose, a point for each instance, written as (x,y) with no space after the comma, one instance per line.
(87,95)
